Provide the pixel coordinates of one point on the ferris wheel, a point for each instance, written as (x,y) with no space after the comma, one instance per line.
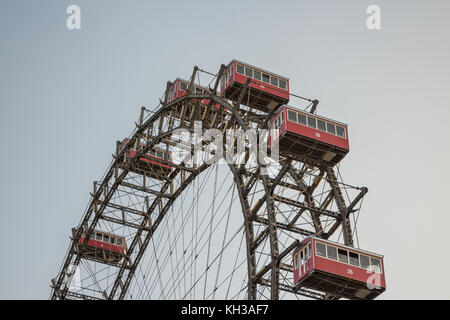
(165,223)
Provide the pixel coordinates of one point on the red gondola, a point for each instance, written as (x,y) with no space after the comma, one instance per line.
(156,163)
(303,133)
(179,88)
(267,91)
(338,270)
(104,247)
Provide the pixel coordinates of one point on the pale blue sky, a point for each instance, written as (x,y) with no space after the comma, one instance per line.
(66,96)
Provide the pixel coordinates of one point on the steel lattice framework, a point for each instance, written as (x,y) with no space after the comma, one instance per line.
(302,198)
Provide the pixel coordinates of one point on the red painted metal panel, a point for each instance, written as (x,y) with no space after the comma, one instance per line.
(256,84)
(148,158)
(303,270)
(317,135)
(224,86)
(277,133)
(346,270)
(262,86)
(105,246)
(180,93)
(336,267)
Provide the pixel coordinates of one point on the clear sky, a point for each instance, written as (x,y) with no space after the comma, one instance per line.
(67,95)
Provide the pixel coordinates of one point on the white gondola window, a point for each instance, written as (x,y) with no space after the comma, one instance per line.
(321,250)
(354,258)
(274,81)
(332,252)
(248,72)
(340,131)
(292,116)
(364,260)
(239,69)
(257,75)
(321,125)
(312,122)
(331,128)
(301,118)
(343,255)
